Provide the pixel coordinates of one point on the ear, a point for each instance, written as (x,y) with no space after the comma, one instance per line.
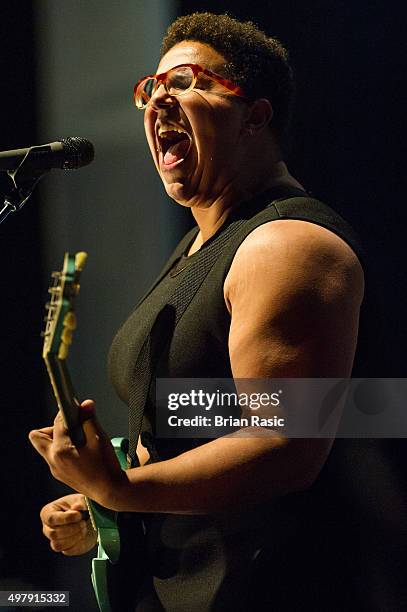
(260,113)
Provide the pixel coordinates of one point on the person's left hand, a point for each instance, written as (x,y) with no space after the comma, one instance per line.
(94,469)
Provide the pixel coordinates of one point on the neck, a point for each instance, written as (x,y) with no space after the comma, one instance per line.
(212,213)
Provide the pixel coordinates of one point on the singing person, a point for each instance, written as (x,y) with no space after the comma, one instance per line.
(281,299)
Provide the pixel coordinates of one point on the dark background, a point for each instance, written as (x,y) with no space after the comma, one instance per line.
(349,150)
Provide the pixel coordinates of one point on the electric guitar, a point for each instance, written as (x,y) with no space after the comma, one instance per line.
(109,587)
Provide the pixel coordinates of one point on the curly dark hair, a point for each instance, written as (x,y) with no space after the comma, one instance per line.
(255,61)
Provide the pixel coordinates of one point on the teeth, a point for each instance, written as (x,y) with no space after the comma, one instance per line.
(164,129)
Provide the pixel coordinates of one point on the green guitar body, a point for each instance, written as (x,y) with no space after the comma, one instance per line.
(108,552)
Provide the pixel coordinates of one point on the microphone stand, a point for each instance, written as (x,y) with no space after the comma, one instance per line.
(24,181)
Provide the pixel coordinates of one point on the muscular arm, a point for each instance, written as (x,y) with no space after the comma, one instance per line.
(294,292)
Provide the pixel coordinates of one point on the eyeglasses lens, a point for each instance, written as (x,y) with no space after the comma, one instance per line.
(145,90)
(178,81)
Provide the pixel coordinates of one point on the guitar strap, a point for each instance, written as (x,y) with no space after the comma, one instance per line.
(163,328)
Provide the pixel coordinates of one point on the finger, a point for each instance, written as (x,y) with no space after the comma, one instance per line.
(59,424)
(45,432)
(59,418)
(64,533)
(55,518)
(91,425)
(81,506)
(88,409)
(60,546)
(67,543)
(48,431)
(73,501)
(61,434)
(41,439)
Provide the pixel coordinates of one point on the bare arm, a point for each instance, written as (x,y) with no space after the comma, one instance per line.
(294,292)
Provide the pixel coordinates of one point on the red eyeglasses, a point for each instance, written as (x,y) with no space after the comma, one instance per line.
(178,81)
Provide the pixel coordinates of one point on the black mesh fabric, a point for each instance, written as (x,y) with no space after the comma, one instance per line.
(224,243)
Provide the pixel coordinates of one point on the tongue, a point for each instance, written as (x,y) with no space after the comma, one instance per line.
(176,152)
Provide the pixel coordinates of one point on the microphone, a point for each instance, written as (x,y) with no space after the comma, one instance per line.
(67,154)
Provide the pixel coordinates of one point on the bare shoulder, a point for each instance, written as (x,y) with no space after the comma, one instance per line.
(293,291)
(298,256)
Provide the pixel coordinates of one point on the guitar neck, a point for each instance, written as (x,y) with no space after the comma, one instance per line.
(66,398)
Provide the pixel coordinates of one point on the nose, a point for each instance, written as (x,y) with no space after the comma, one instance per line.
(161,98)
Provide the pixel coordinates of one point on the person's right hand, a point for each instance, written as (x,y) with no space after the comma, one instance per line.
(64,526)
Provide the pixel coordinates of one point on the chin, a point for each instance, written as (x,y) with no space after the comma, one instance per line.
(179,192)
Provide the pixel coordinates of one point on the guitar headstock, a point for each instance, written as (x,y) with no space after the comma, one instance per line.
(61,319)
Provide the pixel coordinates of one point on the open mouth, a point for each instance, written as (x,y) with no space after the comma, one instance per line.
(174,145)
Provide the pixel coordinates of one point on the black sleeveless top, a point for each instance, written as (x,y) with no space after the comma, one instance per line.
(202,563)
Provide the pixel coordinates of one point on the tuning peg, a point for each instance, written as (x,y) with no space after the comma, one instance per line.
(55,274)
(80,260)
(70,320)
(75,288)
(66,336)
(63,351)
